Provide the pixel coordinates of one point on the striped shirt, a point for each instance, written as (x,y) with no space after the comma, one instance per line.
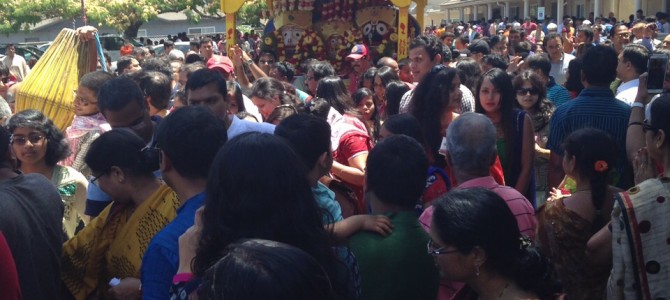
(557,94)
(520,206)
(595,107)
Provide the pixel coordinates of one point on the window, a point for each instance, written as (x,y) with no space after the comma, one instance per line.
(532,11)
(142,33)
(201,30)
(580,10)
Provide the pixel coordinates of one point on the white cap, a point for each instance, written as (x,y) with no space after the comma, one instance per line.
(176,54)
(586,22)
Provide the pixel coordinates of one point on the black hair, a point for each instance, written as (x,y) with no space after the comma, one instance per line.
(4,69)
(193,58)
(263,269)
(446,54)
(587,30)
(281,112)
(403,63)
(599,65)
(405,124)
(194,43)
(477,217)
(205,40)
(430,43)
(428,105)
(120,148)
(168,43)
(358,96)
(396,155)
(543,106)
(181,134)
(204,77)
(368,75)
(159,64)
(637,55)
(589,146)
(235,89)
(479,46)
(115,94)
(156,86)
(268,88)
(319,107)
(309,135)
(495,61)
(94,80)
(539,62)
(332,89)
(123,63)
(469,71)
(57,147)
(286,69)
(503,84)
(549,37)
(181,97)
(574,81)
(394,92)
(321,69)
(244,114)
(256,193)
(386,74)
(5,137)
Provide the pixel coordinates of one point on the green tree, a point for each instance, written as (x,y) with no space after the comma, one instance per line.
(249,13)
(123,15)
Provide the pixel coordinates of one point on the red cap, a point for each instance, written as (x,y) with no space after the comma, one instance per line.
(220,63)
(357,52)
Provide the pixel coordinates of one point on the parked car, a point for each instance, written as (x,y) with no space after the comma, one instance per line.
(113,43)
(183,46)
(26,51)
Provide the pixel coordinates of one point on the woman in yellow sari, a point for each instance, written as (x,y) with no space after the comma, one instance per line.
(103,260)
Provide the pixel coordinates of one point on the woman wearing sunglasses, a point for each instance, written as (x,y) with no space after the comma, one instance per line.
(531,96)
(39,145)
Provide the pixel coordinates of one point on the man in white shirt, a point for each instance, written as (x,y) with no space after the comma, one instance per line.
(632,62)
(16,63)
(559,60)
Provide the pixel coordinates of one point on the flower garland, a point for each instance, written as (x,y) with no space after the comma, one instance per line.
(338,10)
(310,45)
(350,38)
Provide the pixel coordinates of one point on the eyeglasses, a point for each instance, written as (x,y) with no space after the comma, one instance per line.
(95,178)
(646,126)
(83,101)
(21,140)
(524,91)
(435,252)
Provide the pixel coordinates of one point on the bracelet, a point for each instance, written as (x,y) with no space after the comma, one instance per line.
(182,277)
(637,104)
(634,123)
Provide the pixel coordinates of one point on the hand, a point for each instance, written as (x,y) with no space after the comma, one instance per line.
(85,33)
(514,64)
(642,94)
(188,243)
(378,223)
(556,194)
(643,166)
(129,288)
(235,54)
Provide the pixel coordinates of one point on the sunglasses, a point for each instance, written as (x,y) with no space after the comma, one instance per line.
(524,91)
(22,140)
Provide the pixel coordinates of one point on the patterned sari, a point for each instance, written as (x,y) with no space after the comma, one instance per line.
(562,235)
(113,244)
(640,242)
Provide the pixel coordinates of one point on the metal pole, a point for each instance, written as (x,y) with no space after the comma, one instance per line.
(83,13)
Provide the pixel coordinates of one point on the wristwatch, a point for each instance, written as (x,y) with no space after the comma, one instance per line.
(248,63)
(638,104)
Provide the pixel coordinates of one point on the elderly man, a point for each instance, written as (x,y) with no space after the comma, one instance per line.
(471,150)
(560,60)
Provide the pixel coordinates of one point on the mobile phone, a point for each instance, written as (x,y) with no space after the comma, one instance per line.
(657,68)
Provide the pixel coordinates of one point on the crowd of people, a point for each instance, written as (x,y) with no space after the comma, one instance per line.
(513,163)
